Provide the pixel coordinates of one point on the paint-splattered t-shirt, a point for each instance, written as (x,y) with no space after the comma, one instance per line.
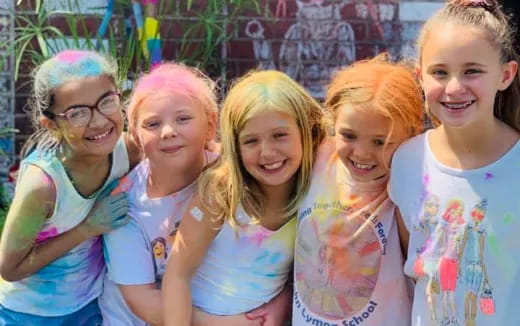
(348,266)
(464,235)
(136,253)
(74,279)
(243,270)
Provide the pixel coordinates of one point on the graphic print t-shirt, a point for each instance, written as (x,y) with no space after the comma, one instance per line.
(136,253)
(348,263)
(464,238)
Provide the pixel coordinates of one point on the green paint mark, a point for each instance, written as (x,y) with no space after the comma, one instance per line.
(493,244)
(509,218)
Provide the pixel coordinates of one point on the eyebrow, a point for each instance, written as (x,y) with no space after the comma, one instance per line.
(341,130)
(465,64)
(280,128)
(97,101)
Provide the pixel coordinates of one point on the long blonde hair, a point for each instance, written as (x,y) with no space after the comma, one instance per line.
(227,180)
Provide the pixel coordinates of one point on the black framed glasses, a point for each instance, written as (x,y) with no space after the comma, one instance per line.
(80,115)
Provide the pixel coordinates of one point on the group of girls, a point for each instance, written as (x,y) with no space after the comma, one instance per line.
(350,213)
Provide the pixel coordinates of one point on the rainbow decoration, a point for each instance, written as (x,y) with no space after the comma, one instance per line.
(148,31)
(104,23)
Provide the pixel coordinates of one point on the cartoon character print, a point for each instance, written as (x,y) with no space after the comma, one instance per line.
(475,276)
(340,263)
(160,254)
(450,236)
(426,263)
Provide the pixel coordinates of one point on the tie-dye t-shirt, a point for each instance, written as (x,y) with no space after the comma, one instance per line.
(348,266)
(70,282)
(136,253)
(463,228)
(243,270)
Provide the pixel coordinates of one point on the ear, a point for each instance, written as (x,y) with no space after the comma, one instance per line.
(48,123)
(212,127)
(509,71)
(418,73)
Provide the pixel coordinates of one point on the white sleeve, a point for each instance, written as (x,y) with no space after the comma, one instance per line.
(396,184)
(128,255)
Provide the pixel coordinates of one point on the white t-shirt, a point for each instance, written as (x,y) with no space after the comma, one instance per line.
(137,252)
(348,267)
(463,228)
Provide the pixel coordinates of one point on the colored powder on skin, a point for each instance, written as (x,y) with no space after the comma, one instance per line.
(44,235)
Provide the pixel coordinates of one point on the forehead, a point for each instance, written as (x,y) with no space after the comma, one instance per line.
(167,103)
(86,90)
(268,120)
(453,43)
(364,119)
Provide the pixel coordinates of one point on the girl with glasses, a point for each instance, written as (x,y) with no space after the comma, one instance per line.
(51,259)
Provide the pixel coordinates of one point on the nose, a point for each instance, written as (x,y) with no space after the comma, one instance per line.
(455,86)
(362,152)
(97,120)
(266,150)
(168,131)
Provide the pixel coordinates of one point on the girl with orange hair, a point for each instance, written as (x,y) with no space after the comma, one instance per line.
(348,259)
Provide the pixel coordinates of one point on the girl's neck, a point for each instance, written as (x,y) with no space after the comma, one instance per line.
(277,197)
(85,163)
(162,181)
(472,147)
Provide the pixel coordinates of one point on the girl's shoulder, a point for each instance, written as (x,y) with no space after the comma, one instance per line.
(35,184)
(414,143)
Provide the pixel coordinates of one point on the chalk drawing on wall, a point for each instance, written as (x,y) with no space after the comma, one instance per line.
(316,44)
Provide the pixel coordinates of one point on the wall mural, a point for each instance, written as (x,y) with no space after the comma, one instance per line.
(321,39)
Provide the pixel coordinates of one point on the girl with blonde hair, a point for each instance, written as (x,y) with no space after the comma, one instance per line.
(234,249)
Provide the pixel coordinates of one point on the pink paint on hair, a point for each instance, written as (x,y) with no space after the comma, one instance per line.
(168,79)
(70,56)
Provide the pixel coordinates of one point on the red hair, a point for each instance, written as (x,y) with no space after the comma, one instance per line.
(389,88)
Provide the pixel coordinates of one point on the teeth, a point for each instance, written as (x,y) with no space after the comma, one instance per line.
(273,166)
(99,136)
(456,106)
(363,166)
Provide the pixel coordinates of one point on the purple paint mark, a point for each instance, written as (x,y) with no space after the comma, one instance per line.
(426,180)
(489,176)
(44,235)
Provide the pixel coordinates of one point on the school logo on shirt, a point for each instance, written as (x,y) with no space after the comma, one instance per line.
(338,258)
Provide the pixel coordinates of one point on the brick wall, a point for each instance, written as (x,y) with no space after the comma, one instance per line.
(307,39)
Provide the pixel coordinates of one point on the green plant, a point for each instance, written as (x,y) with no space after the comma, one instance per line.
(210,33)
(37,39)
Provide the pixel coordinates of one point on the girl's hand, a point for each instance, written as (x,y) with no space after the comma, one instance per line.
(275,312)
(108,213)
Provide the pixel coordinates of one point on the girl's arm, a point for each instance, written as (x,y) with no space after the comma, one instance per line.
(145,301)
(32,204)
(404,235)
(196,233)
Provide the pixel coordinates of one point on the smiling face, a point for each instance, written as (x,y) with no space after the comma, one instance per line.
(361,136)
(271,149)
(172,131)
(461,72)
(102,132)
